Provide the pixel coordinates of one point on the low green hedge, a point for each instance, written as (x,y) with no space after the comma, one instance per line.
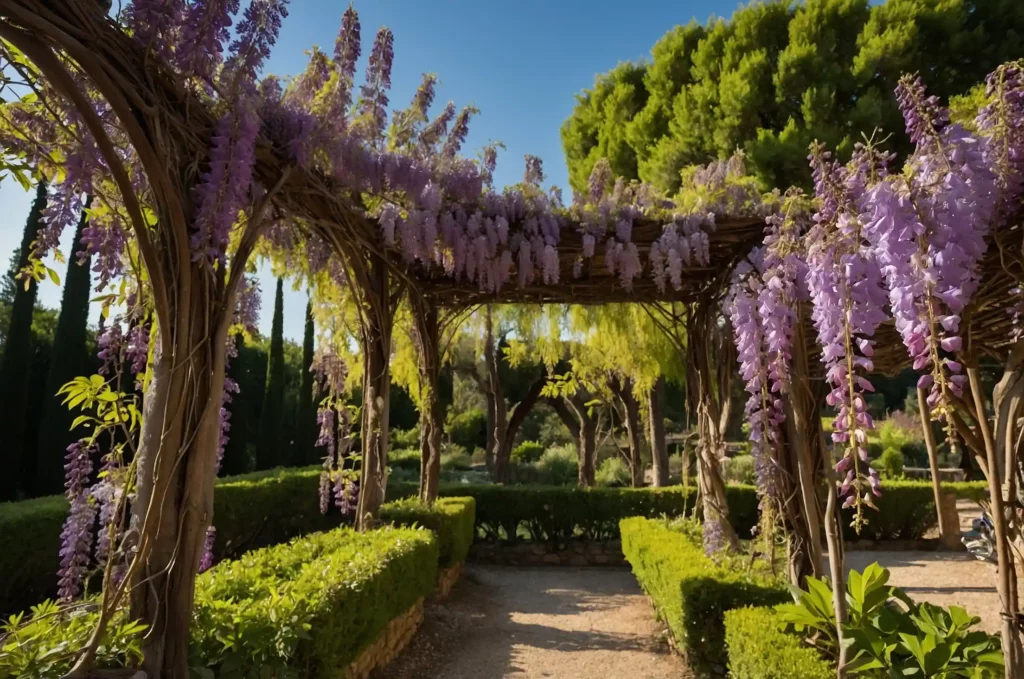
(690,591)
(758,649)
(561,513)
(30,556)
(309,607)
(306,608)
(267,508)
(452,519)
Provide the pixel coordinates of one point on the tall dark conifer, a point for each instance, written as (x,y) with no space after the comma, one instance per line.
(68,360)
(236,453)
(307,406)
(270,446)
(15,363)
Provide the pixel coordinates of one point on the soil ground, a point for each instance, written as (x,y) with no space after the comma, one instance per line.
(526,623)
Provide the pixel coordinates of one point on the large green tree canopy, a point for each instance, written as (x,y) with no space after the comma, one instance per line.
(778,75)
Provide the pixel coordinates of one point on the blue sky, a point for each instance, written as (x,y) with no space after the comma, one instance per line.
(520,62)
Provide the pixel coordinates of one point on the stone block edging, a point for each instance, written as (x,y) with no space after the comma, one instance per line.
(388,644)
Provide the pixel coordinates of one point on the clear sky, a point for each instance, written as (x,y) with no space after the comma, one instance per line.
(519,61)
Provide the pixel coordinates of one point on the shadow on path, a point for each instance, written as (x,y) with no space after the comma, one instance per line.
(540,622)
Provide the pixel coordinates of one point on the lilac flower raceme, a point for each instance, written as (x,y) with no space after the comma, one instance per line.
(255,35)
(156,23)
(373,100)
(110,341)
(105,242)
(76,535)
(225,186)
(206,560)
(846,288)
(1002,124)
(928,227)
(534,173)
(247,305)
(205,31)
(457,137)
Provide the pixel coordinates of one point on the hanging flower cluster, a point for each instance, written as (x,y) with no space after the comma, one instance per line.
(334,419)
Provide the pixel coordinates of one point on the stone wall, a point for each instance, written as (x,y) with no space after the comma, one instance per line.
(446,579)
(546,554)
(388,644)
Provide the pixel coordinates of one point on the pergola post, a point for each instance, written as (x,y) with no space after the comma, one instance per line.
(427,331)
(705,404)
(656,425)
(377,300)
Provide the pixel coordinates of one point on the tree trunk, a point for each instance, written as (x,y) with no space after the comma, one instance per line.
(837,568)
(700,334)
(804,457)
(506,438)
(1007,575)
(574,414)
(376,327)
(633,432)
(174,506)
(948,535)
(656,422)
(425,317)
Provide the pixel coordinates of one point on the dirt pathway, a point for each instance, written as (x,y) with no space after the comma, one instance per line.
(562,623)
(940,578)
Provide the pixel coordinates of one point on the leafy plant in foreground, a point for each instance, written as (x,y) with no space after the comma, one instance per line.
(889,635)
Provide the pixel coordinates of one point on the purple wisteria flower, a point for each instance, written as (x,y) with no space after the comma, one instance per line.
(76,535)
(206,560)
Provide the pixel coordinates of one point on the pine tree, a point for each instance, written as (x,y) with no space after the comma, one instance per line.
(69,359)
(15,363)
(307,407)
(269,447)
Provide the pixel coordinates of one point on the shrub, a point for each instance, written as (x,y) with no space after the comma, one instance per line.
(527,451)
(405,438)
(739,469)
(405,458)
(558,466)
(758,649)
(690,591)
(890,464)
(307,608)
(614,473)
(310,606)
(468,429)
(30,557)
(906,511)
(452,519)
(456,457)
(888,634)
(915,452)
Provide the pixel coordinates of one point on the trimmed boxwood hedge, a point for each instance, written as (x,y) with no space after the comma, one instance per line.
(267,508)
(690,591)
(452,519)
(758,649)
(311,606)
(306,608)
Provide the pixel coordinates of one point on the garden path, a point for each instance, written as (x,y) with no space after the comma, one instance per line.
(940,578)
(558,623)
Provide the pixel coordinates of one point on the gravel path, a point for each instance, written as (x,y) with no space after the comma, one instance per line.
(562,623)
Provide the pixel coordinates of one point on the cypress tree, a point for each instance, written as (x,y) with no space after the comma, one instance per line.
(15,363)
(236,453)
(307,407)
(68,360)
(269,447)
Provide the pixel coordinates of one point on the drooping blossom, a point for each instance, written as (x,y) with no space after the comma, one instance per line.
(76,535)
(206,560)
